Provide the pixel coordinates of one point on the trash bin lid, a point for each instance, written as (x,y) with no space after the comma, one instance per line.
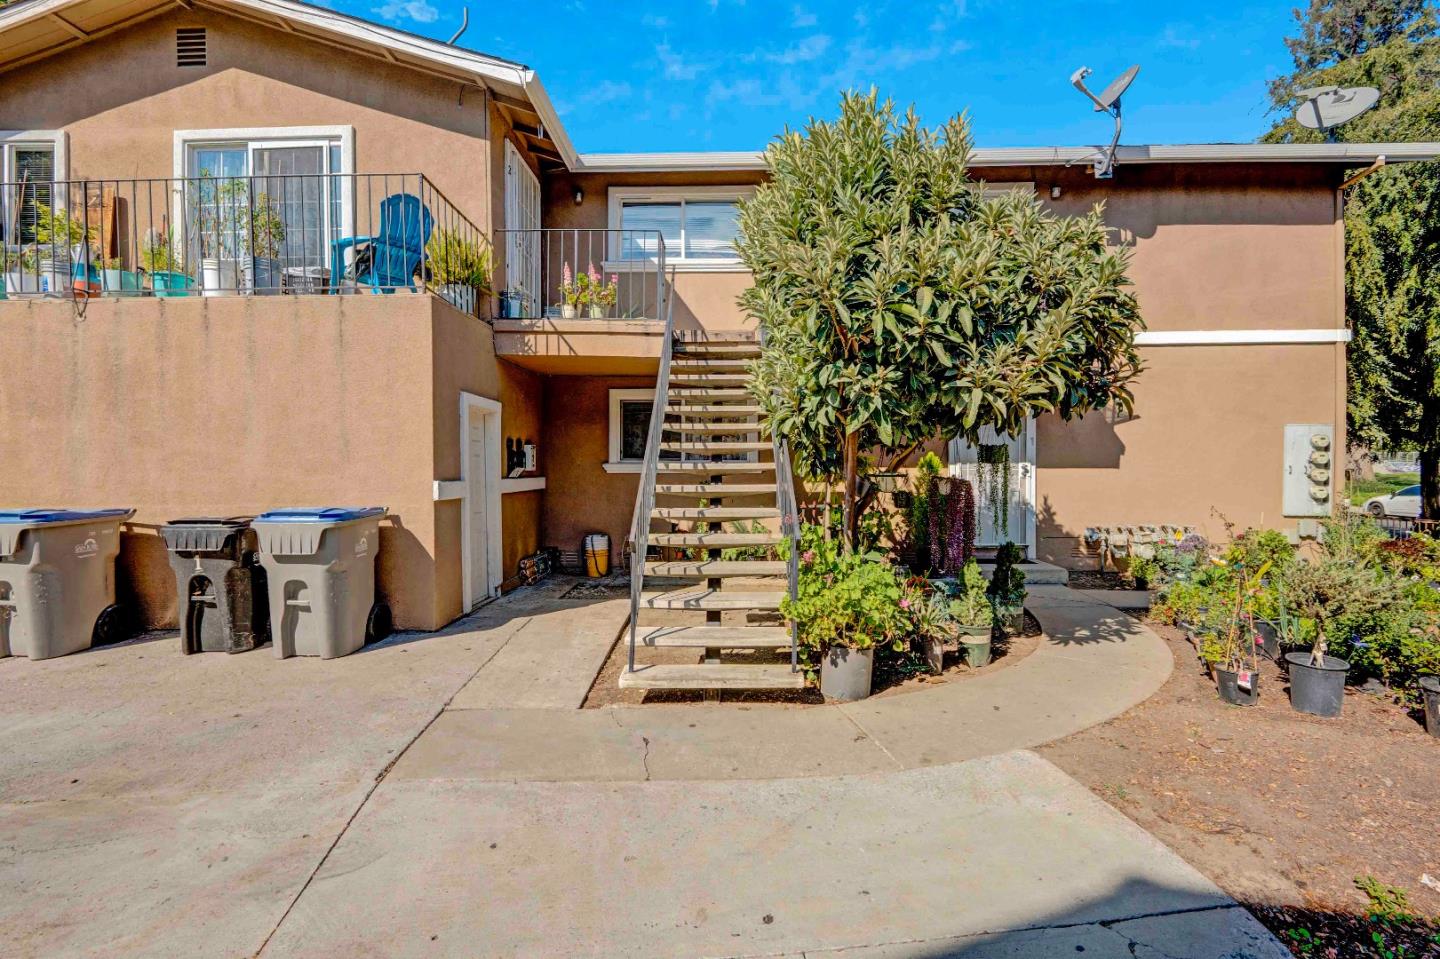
(38,517)
(230,522)
(320,514)
(202,534)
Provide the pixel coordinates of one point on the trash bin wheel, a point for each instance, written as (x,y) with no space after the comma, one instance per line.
(111,626)
(378,624)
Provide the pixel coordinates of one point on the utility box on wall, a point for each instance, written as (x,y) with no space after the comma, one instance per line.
(1309,469)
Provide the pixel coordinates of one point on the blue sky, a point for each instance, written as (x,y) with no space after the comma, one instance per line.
(730,74)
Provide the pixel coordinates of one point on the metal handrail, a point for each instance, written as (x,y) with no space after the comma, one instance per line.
(629,266)
(789,525)
(645,494)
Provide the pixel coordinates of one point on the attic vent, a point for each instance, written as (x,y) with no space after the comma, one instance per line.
(190,47)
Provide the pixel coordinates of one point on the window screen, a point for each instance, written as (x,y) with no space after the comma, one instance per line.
(31,171)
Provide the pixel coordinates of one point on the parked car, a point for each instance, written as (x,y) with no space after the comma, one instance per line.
(1403,502)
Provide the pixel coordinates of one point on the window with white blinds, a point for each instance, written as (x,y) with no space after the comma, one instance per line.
(28,170)
(699,229)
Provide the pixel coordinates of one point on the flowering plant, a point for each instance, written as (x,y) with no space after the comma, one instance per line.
(601,292)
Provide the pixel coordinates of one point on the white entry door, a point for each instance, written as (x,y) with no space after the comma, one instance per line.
(1005,491)
(480,449)
(522,219)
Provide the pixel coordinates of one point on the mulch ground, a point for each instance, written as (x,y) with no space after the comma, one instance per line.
(1284,811)
(1094,579)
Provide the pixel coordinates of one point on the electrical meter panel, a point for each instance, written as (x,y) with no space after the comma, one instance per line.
(1309,469)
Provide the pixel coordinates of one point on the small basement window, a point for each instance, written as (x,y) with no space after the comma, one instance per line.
(190,47)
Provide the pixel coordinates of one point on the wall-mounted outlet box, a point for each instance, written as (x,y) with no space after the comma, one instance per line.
(1309,478)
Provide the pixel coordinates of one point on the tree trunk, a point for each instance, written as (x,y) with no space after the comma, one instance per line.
(1430,457)
(852,485)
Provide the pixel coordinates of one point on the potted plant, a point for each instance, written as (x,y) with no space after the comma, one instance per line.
(930,624)
(461,268)
(1323,591)
(58,236)
(574,292)
(972,615)
(162,261)
(1430,693)
(1007,589)
(114,278)
(603,295)
(1230,650)
(219,214)
(266,237)
(847,604)
(1144,570)
(22,270)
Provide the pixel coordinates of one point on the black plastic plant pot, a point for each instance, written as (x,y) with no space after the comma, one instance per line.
(1317,690)
(1228,684)
(1269,638)
(1430,692)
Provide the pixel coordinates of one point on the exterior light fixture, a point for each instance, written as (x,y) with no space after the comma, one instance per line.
(579,196)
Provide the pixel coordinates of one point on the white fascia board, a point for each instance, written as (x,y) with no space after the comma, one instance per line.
(1238,337)
(540,99)
(1344,153)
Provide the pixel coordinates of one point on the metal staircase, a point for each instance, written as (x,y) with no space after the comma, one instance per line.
(707,461)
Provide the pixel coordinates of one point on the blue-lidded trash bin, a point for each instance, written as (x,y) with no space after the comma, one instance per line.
(320,567)
(57,580)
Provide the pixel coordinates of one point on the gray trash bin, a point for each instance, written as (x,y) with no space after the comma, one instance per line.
(57,580)
(222,602)
(320,564)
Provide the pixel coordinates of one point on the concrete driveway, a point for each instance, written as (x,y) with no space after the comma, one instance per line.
(153,804)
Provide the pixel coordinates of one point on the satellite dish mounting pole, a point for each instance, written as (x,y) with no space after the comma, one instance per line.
(1107,102)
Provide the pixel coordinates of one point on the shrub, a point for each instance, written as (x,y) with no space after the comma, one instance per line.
(845,599)
(1007,582)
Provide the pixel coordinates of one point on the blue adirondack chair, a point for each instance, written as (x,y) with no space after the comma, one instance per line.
(389,259)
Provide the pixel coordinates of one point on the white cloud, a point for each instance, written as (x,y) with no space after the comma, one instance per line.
(801,18)
(811,48)
(749,92)
(418,10)
(1179,35)
(676,67)
(605,92)
(656,22)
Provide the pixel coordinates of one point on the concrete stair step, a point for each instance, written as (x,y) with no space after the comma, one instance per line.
(714,637)
(736,411)
(712,599)
(722,429)
(714,512)
(713,676)
(722,490)
(706,568)
(681,378)
(714,540)
(714,468)
(746,348)
(717,446)
(715,364)
(705,395)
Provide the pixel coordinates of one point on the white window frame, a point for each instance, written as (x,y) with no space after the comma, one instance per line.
(614,464)
(619,196)
(56,140)
(250,137)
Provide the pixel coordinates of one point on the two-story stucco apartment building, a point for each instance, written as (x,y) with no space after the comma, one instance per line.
(247,174)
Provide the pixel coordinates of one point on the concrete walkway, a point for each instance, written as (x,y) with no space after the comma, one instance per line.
(153,804)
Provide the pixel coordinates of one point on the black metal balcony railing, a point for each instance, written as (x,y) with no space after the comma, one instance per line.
(241,236)
(582,274)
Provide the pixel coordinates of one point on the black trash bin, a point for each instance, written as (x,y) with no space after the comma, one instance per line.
(223,603)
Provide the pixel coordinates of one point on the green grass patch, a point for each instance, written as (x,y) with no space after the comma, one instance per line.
(1382,484)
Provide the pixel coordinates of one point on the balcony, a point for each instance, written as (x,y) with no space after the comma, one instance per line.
(272,235)
(582,301)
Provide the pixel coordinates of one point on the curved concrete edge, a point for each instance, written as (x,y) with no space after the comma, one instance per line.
(1093,664)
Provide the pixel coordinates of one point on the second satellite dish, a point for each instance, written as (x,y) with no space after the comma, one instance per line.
(1325,108)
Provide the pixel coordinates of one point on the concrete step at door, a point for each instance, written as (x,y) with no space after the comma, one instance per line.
(713,676)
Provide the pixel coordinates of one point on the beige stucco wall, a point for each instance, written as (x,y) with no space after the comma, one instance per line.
(121,99)
(580,497)
(231,406)
(1205,445)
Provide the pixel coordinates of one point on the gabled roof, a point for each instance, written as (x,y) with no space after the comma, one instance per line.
(34,29)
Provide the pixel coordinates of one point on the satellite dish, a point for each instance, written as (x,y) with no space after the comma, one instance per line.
(1325,108)
(1107,102)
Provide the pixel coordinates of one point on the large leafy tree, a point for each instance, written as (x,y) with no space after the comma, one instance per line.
(1392,219)
(898,303)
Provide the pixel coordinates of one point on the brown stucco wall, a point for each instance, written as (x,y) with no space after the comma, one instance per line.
(580,497)
(1205,445)
(231,406)
(121,100)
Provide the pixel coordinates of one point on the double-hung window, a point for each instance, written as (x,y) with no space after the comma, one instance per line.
(698,226)
(28,168)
